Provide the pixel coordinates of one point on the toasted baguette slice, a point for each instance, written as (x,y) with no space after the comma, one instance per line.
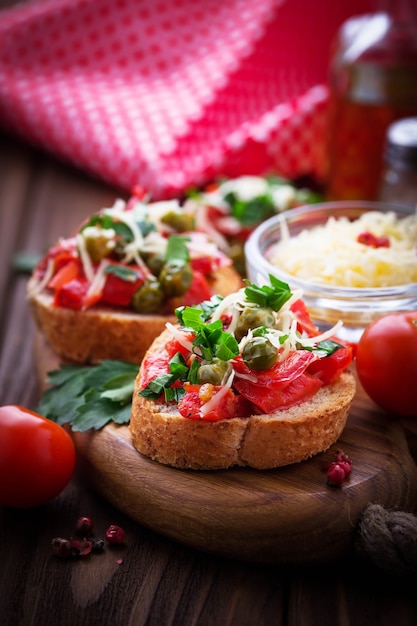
(103,332)
(260,441)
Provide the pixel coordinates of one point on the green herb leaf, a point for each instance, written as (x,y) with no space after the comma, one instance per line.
(176,251)
(122,272)
(193,372)
(192,316)
(274,296)
(174,394)
(89,397)
(211,340)
(157,386)
(146,227)
(106,221)
(162,384)
(328,346)
(253,211)
(227,348)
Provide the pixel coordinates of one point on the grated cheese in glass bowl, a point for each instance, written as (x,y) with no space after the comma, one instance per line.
(354,261)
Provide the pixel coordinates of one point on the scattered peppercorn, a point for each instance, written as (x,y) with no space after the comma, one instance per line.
(115,534)
(81,548)
(339,469)
(335,475)
(73,548)
(61,547)
(97,545)
(84,526)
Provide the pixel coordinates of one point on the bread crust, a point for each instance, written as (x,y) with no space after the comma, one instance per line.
(259,441)
(103,332)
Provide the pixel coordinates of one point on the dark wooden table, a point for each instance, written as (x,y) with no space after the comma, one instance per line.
(150,580)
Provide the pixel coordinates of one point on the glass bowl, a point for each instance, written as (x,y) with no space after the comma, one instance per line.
(356,307)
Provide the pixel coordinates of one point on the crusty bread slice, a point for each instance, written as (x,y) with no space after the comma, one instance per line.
(260,441)
(103,332)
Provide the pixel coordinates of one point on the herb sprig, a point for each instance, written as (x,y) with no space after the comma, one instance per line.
(89,397)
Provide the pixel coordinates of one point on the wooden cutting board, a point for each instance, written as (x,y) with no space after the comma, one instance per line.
(287,515)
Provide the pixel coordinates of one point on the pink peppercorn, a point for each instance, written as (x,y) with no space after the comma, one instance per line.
(115,534)
(335,474)
(84,526)
(61,547)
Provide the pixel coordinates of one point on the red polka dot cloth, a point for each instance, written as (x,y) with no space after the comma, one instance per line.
(169,94)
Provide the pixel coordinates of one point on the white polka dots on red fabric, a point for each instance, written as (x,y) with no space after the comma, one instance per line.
(171,93)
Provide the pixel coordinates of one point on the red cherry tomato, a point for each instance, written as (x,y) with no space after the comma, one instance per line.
(386,362)
(37,458)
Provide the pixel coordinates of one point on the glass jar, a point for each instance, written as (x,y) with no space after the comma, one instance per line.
(399,179)
(372,82)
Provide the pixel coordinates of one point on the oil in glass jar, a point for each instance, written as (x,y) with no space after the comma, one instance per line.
(372,82)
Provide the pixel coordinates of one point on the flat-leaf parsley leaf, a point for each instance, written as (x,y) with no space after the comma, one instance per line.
(89,397)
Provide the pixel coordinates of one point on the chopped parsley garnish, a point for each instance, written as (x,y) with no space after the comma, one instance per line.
(328,346)
(188,316)
(323,348)
(106,221)
(250,212)
(274,296)
(212,341)
(123,272)
(177,251)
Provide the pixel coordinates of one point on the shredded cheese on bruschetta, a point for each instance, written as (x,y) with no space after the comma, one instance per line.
(38,287)
(97,284)
(85,258)
(203,223)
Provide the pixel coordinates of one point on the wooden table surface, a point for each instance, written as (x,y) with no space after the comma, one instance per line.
(150,580)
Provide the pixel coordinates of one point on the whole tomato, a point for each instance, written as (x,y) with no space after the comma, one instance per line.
(386,362)
(37,458)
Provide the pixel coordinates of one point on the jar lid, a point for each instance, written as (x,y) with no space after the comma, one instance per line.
(401,142)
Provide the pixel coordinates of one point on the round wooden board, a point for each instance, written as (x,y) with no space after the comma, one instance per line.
(287,515)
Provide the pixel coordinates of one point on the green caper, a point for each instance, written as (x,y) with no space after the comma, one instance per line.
(176,278)
(236,253)
(259,353)
(179,221)
(215,372)
(99,242)
(253,317)
(155,262)
(148,298)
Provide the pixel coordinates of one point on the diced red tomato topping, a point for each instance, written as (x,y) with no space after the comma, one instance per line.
(67,272)
(118,291)
(202,264)
(304,322)
(280,374)
(333,365)
(153,365)
(173,346)
(64,256)
(61,254)
(280,386)
(199,290)
(281,396)
(72,294)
